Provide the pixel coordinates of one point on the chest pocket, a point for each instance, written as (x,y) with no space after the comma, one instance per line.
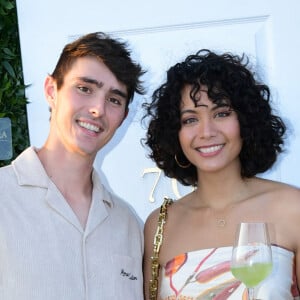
(127,277)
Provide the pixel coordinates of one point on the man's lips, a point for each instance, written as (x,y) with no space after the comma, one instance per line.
(89,126)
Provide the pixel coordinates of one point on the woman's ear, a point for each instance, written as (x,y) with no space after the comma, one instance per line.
(50,91)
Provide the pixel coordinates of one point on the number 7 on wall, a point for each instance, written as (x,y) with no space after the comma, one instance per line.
(153,170)
(174,183)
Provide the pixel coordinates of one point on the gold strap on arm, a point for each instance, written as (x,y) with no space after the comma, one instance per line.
(157,242)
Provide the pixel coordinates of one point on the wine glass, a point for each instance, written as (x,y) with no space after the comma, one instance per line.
(251,260)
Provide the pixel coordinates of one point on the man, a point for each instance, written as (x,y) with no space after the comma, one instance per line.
(63,236)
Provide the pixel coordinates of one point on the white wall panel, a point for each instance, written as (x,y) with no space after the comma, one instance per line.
(161,33)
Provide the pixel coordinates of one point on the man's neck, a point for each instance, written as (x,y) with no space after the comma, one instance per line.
(72,175)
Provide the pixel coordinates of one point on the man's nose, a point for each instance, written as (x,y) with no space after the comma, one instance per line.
(98,107)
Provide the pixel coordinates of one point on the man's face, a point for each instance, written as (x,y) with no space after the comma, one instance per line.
(88,108)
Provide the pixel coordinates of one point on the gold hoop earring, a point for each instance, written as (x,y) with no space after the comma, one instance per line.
(181,165)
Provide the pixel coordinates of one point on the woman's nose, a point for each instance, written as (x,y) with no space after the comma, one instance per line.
(207,128)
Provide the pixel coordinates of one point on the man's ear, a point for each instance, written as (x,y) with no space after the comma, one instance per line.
(126,113)
(125,116)
(50,91)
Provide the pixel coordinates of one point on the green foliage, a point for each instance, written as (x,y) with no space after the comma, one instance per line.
(12,89)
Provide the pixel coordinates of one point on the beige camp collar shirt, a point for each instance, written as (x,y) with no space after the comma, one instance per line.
(44,252)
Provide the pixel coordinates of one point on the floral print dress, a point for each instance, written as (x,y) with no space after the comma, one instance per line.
(206,275)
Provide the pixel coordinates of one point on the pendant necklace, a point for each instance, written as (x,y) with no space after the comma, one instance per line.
(221,222)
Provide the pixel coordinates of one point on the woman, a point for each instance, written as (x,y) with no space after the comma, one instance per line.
(212,127)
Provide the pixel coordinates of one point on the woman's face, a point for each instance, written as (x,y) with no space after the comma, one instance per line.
(210,133)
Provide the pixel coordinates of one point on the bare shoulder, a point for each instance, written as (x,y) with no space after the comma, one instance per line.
(152,219)
(277,199)
(280,204)
(287,192)
(289,196)
(287,207)
(278,190)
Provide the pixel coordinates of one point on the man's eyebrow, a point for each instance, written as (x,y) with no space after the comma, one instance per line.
(91,80)
(100,84)
(119,93)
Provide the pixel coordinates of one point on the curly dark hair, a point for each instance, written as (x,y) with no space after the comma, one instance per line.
(225,76)
(113,52)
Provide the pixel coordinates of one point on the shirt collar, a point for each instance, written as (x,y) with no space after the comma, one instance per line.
(30,171)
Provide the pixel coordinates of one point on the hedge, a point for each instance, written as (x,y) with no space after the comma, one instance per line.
(12,89)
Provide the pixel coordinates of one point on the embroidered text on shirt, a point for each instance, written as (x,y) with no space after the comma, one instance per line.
(129,275)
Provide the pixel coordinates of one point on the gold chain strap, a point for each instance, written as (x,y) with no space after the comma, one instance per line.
(157,242)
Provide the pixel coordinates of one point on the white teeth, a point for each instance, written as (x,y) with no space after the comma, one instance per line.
(89,126)
(210,149)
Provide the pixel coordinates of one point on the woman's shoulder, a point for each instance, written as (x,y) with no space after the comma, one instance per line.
(281,199)
(276,198)
(153,217)
(284,211)
(277,189)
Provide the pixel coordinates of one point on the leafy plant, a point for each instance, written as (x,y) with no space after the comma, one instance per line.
(12,89)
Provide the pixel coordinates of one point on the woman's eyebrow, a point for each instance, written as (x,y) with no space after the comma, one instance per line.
(187,111)
(215,107)
(222,104)
(192,111)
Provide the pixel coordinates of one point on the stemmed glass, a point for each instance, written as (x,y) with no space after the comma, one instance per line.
(251,260)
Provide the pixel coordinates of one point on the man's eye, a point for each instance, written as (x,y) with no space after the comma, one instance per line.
(84,89)
(115,101)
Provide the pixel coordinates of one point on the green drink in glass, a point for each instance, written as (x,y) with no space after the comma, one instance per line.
(251,259)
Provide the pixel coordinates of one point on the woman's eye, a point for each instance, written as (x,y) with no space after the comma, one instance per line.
(188,121)
(223,114)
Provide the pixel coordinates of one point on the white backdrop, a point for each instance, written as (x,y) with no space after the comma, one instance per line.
(161,33)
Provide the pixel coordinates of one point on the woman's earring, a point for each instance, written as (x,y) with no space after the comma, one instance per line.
(181,165)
